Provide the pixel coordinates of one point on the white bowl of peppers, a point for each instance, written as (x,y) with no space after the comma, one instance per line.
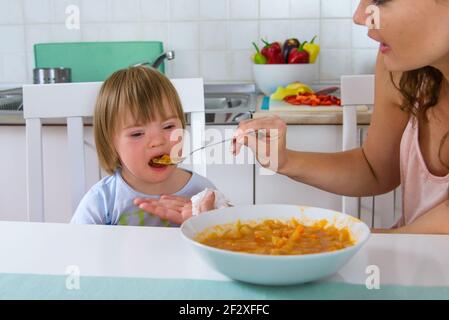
(279,65)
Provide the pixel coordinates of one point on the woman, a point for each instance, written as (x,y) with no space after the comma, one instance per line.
(408,139)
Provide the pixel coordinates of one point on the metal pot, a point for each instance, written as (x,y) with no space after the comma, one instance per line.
(52,75)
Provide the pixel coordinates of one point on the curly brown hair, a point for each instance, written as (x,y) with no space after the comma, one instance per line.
(420,90)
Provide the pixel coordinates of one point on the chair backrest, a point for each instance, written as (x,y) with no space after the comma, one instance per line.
(75,101)
(355,90)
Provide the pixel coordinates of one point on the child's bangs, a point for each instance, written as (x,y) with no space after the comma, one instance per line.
(147,100)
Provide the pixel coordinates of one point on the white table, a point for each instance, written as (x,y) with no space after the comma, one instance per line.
(162,253)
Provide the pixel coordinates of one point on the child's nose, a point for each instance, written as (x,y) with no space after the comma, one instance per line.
(156,140)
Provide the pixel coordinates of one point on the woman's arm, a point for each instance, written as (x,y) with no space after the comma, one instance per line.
(370,170)
(435,221)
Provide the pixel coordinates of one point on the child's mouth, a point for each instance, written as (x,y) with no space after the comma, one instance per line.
(160,161)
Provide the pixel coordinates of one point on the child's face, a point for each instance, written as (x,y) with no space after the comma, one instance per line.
(138,144)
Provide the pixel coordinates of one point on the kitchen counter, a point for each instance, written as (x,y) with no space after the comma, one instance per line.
(311,118)
(291,118)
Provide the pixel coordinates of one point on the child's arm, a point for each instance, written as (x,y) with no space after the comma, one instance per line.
(174,208)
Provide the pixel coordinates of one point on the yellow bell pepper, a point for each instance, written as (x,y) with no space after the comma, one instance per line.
(300,86)
(291,90)
(313,49)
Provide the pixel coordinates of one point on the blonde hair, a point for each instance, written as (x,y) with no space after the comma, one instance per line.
(142,92)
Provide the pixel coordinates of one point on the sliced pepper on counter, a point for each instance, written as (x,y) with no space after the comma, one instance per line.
(273,52)
(313,49)
(313,100)
(296,85)
(291,90)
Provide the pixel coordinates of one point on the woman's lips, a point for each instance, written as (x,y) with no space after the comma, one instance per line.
(384,48)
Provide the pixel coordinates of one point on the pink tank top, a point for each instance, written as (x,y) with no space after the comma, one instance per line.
(421,190)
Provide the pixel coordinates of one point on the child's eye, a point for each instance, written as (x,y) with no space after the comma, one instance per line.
(169,126)
(136,134)
(379,2)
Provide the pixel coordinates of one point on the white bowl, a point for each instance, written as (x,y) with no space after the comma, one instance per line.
(274,270)
(269,77)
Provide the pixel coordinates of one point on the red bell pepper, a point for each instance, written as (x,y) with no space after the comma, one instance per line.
(299,55)
(273,52)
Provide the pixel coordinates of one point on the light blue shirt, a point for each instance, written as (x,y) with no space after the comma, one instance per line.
(110,202)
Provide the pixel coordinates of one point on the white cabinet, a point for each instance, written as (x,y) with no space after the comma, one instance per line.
(13,178)
(232,176)
(380,211)
(280,189)
(56,178)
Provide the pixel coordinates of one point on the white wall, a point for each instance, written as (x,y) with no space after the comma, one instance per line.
(201,31)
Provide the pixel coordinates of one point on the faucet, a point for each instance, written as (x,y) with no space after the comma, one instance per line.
(169,55)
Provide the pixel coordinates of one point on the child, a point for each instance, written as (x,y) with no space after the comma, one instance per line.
(136,112)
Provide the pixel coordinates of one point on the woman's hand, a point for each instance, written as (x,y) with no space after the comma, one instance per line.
(174,208)
(266,137)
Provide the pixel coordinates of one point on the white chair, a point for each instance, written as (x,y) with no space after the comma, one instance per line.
(356,90)
(75,101)
(359,90)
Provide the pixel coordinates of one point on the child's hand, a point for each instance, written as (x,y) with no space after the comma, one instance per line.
(174,208)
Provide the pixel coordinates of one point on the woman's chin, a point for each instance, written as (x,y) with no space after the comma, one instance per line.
(394,64)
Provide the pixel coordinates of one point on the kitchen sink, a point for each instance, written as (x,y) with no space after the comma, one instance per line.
(11,100)
(229,103)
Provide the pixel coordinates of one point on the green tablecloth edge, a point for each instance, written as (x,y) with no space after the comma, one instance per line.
(41,287)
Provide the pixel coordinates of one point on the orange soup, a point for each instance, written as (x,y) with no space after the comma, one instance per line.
(275,237)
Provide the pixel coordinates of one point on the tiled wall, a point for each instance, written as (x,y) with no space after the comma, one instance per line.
(212,38)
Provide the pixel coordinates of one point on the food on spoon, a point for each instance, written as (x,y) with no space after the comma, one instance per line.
(276,237)
(163,160)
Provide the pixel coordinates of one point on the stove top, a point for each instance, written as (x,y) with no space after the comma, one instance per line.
(11,99)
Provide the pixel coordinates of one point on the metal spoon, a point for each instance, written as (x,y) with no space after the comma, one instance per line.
(180,160)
